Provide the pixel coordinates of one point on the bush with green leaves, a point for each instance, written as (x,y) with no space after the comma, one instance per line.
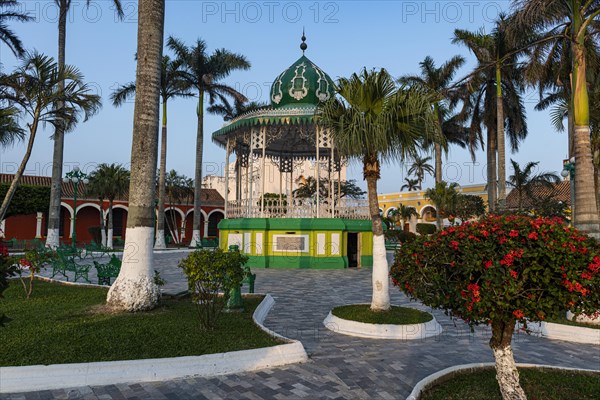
(468,206)
(426,229)
(32,262)
(399,236)
(500,270)
(7,270)
(211,275)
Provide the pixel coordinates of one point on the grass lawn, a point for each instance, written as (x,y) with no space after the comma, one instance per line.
(565,321)
(538,384)
(68,324)
(395,315)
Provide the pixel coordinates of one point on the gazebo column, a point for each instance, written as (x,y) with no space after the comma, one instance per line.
(331,184)
(249,177)
(263,132)
(227,154)
(318,140)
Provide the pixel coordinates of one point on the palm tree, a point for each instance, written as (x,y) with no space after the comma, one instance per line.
(404,213)
(496,89)
(577,21)
(419,168)
(523,180)
(113,180)
(6,35)
(10,130)
(411,184)
(97,187)
(203,73)
(444,198)
(438,83)
(171,85)
(52,239)
(134,288)
(34,89)
(229,112)
(373,120)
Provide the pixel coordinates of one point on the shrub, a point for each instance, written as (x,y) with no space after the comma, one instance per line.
(7,270)
(501,270)
(426,229)
(468,206)
(96,234)
(399,236)
(31,264)
(209,273)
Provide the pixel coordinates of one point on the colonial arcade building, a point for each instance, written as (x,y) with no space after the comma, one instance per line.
(279,230)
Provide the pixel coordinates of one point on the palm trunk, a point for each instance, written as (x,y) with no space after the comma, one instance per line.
(109,236)
(134,288)
(102,227)
(438,163)
(381,292)
(506,369)
(160,219)
(586,209)
(198,173)
(491,168)
(501,140)
(15,182)
(52,238)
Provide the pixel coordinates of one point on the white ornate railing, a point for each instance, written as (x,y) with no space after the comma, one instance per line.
(299,208)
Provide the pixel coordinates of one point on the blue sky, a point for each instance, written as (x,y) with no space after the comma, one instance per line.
(342,37)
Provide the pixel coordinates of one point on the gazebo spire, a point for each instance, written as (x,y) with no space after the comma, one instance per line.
(303,45)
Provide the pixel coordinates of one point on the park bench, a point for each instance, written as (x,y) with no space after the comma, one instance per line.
(109,270)
(92,248)
(65,262)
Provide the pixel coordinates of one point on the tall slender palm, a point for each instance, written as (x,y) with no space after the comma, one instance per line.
(34,89)
(411,184)
(52,239)
(112,181)
(134,288)
(420,167)
(524,180)
(373,120)
(6,35)
(443,196)
(172,85)
(579,20)
(438,82)
(496,89)
(204,72)
(10,130)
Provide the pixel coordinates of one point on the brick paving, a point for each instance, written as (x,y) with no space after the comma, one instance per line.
(340,367)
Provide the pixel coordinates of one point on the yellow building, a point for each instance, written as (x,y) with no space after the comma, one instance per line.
(425,208)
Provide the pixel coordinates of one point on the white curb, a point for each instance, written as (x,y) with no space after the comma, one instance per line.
(57,376)
(569,333)
(382,331)
(430,380)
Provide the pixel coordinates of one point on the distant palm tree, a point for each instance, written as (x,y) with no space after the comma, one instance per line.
(419,168)
(134,289)
(444,197)
(404,214)
(411,184)
(496,99)
(10,130)
(6,35)
(229,112)
(52,239)
(172,85)
(523,180)
(370,121)
(203,73)
(113,180)
(34,89)
(437,81)
(97,187)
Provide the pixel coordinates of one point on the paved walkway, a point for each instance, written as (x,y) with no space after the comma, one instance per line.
(340,367)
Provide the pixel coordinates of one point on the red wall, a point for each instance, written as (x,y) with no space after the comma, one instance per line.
(21,227)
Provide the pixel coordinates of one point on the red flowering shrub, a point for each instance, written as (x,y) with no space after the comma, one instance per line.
(502,269)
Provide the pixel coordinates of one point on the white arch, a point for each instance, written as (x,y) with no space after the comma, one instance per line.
(177,209)
(387,212)
(68,207)
(214,211)
(93,205)
(192,210)
(115,206)
(426,206)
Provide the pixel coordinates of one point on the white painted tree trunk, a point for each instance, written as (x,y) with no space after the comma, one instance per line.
(134,289)
(196,241)
(507,374)
(381,281)
(103,237)
(160,243)
(109,238)
(53,239)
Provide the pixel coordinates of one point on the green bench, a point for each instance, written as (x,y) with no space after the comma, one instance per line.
(65,262)
(107,271)
(249,279)
(94,247)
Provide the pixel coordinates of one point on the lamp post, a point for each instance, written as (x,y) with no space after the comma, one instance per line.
(569,170)
(76,176)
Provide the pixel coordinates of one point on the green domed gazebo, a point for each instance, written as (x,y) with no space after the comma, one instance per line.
(284,231)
